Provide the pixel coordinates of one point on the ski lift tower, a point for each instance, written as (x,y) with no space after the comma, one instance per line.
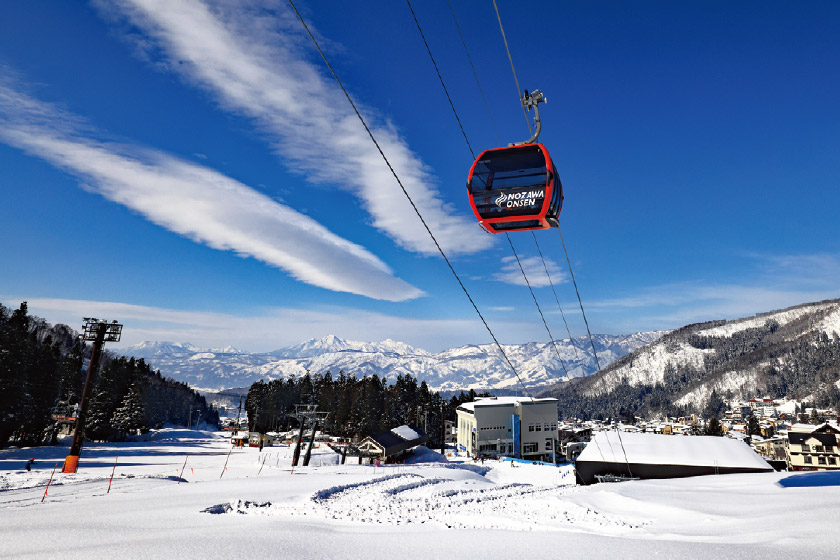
(99,332)
(307,414)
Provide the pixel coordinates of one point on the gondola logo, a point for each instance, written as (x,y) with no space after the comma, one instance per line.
(520,199)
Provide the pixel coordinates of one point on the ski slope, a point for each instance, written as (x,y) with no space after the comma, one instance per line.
(259,507)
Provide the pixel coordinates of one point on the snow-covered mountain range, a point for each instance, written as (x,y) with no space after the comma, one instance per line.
(465,367)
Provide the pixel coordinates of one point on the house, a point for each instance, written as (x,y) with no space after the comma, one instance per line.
(393,445)
(254,439)
(521,427)
(573,450)
(772,450)
(646,456)
(239,438)
(450,432)
(813,447)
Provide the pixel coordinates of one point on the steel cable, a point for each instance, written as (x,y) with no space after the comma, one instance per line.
(405,192)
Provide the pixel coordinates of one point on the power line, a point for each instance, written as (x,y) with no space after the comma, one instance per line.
(521,268)
(478,83)
(551,283)
(510,58)
(597,362)
(446,91)
(550,336)
(405,192)
(501,27)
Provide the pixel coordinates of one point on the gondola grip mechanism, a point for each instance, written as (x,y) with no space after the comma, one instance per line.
(532,101)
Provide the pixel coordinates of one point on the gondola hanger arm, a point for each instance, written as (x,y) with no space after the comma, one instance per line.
(532,101)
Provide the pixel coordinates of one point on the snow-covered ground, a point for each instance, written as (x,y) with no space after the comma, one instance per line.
(259,507)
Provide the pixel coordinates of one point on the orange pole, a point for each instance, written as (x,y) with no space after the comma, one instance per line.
(48,483)
(112,475)
(180,476)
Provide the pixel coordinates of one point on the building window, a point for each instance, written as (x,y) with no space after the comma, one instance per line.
(531,428)
(537,428)
(818,448)
(832,461)
(529,448)
(821,460)
(808,459)
(806,447)
(548,445)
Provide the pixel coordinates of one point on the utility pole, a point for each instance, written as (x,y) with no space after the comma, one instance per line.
(238,417)
(99,332)
(311,443)
(307,414)
(442,432)
(301,425)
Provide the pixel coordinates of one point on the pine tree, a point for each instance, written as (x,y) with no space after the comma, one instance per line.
(713,428)
(129,416)
(753,427)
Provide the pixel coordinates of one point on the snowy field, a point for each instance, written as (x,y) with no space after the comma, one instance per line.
(260,508)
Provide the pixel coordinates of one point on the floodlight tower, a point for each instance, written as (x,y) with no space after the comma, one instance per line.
(99,332)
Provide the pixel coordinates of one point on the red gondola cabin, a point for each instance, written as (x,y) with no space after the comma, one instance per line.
(515,188)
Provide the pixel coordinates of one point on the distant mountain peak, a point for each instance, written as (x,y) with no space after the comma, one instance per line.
(467,367)
(149,348)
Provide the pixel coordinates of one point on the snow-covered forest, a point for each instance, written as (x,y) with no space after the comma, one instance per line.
(357,406)
(42,370)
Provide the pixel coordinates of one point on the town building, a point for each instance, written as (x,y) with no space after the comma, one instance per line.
(811,448)
(392,445)
(521,427)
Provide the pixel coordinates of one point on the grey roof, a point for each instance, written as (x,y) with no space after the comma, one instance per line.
(801,437)
(393,443)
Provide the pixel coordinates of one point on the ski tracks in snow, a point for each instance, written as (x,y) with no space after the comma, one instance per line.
(474,503)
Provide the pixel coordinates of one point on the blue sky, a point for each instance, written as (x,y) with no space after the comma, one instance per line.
(192,170)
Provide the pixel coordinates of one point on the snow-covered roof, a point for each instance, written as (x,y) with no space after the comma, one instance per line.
(812,427)
(496,401)
(405,432)
(803,427)
(671,450)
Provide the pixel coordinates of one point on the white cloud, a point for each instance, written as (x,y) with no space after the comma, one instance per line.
(272,328)
(510,273)
(254,60)
(773,282)
(198,202)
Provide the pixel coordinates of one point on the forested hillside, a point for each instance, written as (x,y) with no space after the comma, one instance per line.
(357,406)
(794,352)
(41,378)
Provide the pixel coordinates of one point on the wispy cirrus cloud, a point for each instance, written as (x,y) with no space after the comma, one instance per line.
(197,202)
(255,60)
(509,273)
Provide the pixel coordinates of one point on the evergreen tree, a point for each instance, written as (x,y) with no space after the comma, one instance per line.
(713,428)
(753,427)
(128,418)
(715,406)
